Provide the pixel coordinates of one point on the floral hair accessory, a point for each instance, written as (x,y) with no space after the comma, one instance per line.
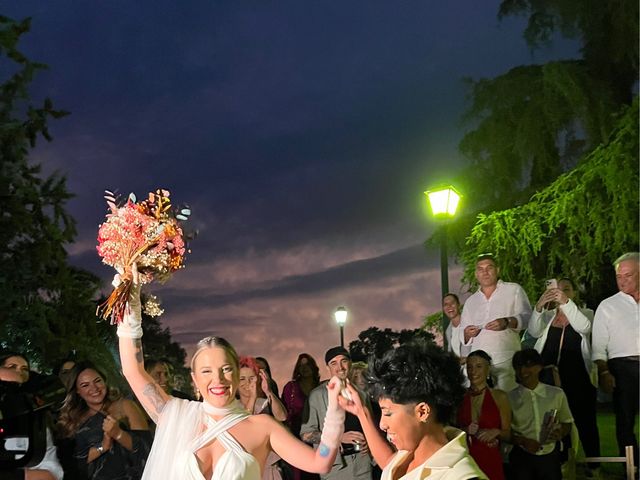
(146,233)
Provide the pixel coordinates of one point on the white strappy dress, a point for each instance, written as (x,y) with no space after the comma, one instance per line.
(178,438)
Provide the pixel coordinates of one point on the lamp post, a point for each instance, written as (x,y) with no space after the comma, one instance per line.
(341,318)
(444,202)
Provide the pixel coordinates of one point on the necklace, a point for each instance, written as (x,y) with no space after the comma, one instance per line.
(475,393)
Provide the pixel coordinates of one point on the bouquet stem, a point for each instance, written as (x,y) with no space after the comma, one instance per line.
(113,309)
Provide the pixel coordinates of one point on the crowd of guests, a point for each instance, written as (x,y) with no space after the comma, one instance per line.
(486,409)
(555,382)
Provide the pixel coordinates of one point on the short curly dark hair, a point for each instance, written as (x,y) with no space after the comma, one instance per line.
(416,372)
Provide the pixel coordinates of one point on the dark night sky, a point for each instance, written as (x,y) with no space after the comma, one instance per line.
(302,134)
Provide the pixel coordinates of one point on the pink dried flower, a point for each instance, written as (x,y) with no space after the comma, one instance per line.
(146,233)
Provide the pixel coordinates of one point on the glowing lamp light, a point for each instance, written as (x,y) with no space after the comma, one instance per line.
(444,201)
(341,316)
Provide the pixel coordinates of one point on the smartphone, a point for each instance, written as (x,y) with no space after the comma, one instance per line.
(551,283)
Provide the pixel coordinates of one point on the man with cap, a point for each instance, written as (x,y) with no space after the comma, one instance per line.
(354,461)
(540,417)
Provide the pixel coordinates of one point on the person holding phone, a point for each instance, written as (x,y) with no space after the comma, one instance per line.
(563,332)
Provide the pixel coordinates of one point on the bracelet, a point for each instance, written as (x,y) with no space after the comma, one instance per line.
(119,435)
(508,321)
(100,449)
(603,372)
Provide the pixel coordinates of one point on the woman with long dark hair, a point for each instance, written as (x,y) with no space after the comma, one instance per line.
(305,377)
(109,435)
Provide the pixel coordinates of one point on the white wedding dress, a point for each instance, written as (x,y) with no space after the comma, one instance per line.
(179,436)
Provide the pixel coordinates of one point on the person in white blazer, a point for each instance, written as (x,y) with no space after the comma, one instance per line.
(563,332)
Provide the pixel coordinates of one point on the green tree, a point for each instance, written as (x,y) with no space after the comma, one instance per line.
(531,124)
(574,227)
(608,32)
(47,307)
(157,344)
(535,122)
(374,341)
(433,323)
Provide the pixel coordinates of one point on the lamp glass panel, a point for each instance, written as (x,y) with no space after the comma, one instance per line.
(340,316)
(444,202)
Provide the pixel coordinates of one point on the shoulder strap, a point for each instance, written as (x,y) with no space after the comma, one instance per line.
(560,346)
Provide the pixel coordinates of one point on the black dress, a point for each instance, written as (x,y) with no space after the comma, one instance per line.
(580,392)
(117,463)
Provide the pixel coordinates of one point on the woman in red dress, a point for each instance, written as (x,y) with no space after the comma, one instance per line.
(485,415)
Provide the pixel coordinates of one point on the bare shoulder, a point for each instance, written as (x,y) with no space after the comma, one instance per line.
(262,420)
(265,424)
(130,406)
(500,396)
(255,430)
(117,407)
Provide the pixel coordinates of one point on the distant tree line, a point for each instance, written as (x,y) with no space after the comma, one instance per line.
(47,306)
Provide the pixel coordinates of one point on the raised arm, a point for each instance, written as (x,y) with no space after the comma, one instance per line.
(577,319)
(278,410)
(149,394)
(380,449)
(302,456)
(540,317)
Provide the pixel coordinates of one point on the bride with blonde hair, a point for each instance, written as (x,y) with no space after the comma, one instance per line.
(216,439)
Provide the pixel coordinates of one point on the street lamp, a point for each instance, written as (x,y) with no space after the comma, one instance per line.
(444,202)
(341,318)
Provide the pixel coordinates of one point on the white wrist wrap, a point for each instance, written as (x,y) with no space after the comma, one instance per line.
(131,325)
(333,427)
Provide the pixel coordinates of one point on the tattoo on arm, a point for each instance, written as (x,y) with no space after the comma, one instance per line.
(152,392)
(324,450)
(137,343)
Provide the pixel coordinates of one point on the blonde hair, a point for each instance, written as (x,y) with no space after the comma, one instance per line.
(634,256)
(213,341)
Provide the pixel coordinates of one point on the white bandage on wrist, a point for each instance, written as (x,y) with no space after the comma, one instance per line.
(131,325)
(333,428)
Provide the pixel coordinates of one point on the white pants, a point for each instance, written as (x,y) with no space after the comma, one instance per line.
(504,377)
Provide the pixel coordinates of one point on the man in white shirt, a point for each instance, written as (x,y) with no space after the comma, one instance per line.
(540,417)
(616,348)
(492,318)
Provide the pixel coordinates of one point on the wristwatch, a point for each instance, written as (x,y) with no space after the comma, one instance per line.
(100,449)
